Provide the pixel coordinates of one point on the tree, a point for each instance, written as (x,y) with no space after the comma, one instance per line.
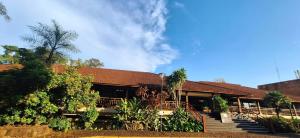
(93,62)
(175,82)
(297,74)
(277,100)
(3,12)
(50,42)
(10,56)
(18,82)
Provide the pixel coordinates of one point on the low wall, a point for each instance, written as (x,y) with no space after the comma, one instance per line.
(24,131)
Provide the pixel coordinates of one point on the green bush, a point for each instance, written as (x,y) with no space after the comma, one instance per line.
(281,125)
(152,119)
(11,119)
(221,104)
(34,108)
(61,124)
(89,117)
(182,121)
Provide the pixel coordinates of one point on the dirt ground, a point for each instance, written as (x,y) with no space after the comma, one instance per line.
(122,133)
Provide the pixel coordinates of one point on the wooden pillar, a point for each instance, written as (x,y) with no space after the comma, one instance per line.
(213,103)
(186,100)
(258,107)
(126,94)
(204,123)
(239,105)
(294,108)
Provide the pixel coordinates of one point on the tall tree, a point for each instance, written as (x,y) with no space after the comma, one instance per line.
(3,11)
(93,62)
(10,55)
(277,100)
(51,42)
(175,82)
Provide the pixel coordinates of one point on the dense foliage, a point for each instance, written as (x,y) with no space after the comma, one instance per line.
(277,100)
(221,104)
(132,114)
(281,125)
(17,83)
(34,108)
(70,91)
(182,121)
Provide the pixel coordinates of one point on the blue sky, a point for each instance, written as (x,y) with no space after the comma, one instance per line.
(240,41)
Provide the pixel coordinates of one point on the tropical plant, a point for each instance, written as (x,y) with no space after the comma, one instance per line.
(129,112)
(50,42)
(150,97)
(221,104)
(175,82)
(152,119)
(277,100)
(3,11)
(182,121)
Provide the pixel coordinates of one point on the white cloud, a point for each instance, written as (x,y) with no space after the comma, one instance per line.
(124,34)
(179,5)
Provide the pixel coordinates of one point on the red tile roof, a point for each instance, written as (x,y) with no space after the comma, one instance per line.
(290,88)
(134,78)
(250,93)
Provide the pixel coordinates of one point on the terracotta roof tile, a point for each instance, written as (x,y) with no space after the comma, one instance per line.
(135,78)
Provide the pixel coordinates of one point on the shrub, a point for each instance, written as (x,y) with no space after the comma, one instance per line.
(89,117)
(182,121)
(130,114)
(151,120)
(222,104)
(281,124)
(61,124)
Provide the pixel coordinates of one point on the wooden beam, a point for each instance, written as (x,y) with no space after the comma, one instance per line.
(239,104)
(295,110)
(258,107)
(186,100)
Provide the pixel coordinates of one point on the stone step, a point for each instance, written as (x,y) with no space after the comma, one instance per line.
(238,125)
(258,131)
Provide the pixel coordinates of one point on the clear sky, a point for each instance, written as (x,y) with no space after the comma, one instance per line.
(241,41)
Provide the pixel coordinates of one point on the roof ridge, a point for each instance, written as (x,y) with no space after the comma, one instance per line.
(111,69)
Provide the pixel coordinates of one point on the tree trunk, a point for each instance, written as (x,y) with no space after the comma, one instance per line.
(291,113)
(48,60)
(277,111)
(179,97)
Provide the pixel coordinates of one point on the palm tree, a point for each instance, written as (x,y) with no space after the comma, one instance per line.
(50,42)
(175,82)
(3,11)
(277,100)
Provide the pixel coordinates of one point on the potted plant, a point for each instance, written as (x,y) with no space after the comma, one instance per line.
(222,108)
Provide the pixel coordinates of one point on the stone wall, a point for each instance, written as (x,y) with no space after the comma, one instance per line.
(24,131)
